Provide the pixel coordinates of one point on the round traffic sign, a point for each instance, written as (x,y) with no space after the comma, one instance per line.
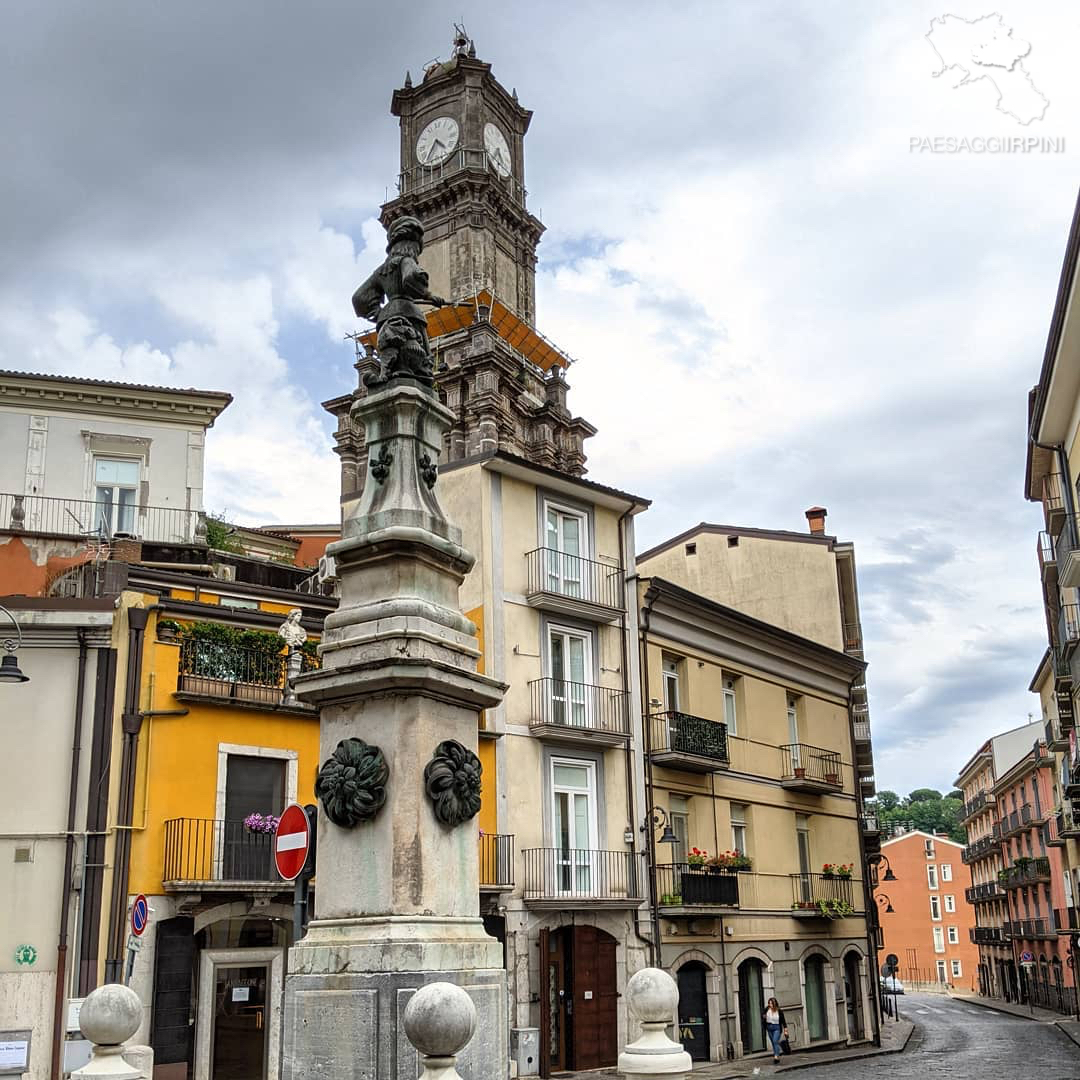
(1027,958)
(140,915)
(291,842)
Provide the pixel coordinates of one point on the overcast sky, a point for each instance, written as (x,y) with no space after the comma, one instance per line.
(774,300)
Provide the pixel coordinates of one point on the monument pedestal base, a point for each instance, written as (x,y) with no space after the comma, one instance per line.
(350,980)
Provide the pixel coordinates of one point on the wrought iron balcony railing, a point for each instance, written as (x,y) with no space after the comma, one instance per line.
(988,935)
(577,706)
(682,885)
(853,637)
(570,874)
(496,852)
(980,849)
(988,890)
(821,894)
(1047,556)
(88,517)
(1053,499)
(215,852)
(218,670)
(974,805)
(575,578)
(676,735)
(870,822)
(1026,872)
(800,763)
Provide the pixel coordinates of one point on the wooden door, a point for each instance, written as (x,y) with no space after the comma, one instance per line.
(595,999)
(694,1010)
(545,1004)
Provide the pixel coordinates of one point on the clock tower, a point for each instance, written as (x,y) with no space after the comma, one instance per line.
(462,173)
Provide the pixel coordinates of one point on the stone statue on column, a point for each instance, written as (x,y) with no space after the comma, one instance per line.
(294,636)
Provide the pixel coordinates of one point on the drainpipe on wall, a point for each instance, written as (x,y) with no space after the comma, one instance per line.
(60,995)
(131,720)
(650,839)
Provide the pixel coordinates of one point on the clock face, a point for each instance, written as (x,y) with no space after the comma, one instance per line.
(498,151)
(437,141)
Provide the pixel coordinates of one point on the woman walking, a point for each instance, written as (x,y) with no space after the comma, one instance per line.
(775,1026)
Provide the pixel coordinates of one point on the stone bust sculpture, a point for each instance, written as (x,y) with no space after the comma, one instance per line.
(402,339)
(291,632)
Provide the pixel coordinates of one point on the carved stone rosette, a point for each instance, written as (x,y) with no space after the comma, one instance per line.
(352,783)
(452,782)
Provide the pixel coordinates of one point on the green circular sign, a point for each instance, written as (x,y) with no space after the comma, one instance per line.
(25,954)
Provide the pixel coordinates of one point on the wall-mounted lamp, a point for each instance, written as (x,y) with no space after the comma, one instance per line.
(658,816)
(9,665)
(889,909)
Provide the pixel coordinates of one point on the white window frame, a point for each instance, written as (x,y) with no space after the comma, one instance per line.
(562,560)
(935,909)
(950,904)
(957,970)
(939,939)
(115,522)
(952,935)
(587,671)
(946,871)
(593,822)
(739,835)
(730,707)
(671,679)
(929,846)
(931,876)
(793,730)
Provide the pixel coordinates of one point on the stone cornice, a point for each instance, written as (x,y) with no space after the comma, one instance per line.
(61,393)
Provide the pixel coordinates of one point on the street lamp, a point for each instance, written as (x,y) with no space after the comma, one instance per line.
(660,819)
(879,858)
(889,910)
(9,665)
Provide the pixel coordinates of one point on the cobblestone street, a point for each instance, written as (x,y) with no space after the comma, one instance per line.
(959,1041)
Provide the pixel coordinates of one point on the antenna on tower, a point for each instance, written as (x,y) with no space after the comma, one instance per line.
(463,46)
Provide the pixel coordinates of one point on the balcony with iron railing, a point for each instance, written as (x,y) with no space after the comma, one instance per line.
(980,849)
(218,856)
(694,890)
(810,769)
(682,741)
(1053,500)
(1067,553)
(1016,822)
(496,861)
(235,674)
(989,935)
(821,896)
(1026,871)
(580,713)
(1070,780)
(853,638)
(1034,929)
(575,586)
(567,878)
(1067,826)
(987,891)
(83,518)
(975,804)
(1047,558)
(1057,740)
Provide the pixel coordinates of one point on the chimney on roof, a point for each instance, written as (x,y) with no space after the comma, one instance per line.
(815,516)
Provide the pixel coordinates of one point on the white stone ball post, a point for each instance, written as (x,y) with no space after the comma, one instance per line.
(653,997)
(110,1016)
(439,1020)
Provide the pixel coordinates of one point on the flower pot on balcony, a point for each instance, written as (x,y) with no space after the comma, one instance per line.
(206,685)
(258,693)
(800,772)
(832,778)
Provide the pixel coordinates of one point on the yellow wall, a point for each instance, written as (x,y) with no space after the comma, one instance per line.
(178,757)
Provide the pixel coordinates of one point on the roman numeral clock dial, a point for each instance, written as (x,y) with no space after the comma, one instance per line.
(498,151)
(437,141)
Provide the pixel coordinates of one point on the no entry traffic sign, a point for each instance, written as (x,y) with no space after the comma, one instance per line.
(140,915)
(292,841)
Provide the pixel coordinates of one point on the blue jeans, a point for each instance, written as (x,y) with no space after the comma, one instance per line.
(775,1033)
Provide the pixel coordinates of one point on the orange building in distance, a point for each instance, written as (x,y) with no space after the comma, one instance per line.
(929,927)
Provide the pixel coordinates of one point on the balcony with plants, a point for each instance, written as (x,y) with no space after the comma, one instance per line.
(700,883)
(1025,871)
(828,895)
(233,666)
(811,769)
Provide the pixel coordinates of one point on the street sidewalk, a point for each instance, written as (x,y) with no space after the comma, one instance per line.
(1068,1026)
(894,1037)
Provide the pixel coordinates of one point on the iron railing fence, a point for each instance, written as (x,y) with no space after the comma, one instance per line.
(1027,872)
(853,637)
(800,761)
(218,669)
(1053,496)
(811,891)
(203,849)
(574,576)
(985,845)
(989,890)
(870,822)
(583,874)
(89,517)
(563,703)
(1068,622)
(496,852)
(988,935)
(683,733)
(683,885)
(1045,548)
(463,158)
(974,805)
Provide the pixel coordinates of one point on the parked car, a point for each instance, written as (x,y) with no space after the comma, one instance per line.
(891,984)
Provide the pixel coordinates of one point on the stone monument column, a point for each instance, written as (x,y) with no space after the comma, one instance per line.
(396,886)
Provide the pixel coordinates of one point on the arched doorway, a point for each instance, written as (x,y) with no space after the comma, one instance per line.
(752,1005)
(817,1021)
(853,995)
(694,1010)
(579,1018)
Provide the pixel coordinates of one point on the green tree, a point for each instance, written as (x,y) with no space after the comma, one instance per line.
(924,794)
(886,801)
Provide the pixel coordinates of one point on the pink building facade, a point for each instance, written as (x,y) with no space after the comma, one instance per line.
(1033,876)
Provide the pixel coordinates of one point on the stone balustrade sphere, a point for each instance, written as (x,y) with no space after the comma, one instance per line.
(440,1019)
(652,996)
(110,1015)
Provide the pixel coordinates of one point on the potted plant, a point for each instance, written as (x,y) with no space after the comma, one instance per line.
(168,630)
(696,857)
(843,870)
(261,823)
(831,775)
(800,772)
(828,870)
